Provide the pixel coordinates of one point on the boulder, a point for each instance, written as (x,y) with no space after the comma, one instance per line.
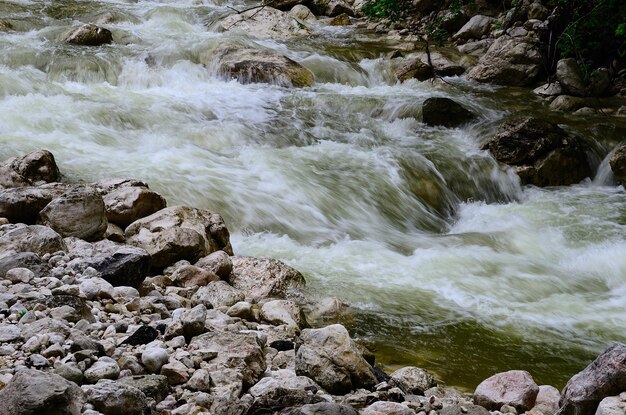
(477,27)
(125,205)
(412,68)
(23,204)
(38,167)
(272,394)
(599,82)
(153,358)
(217,294)
(78,212)
(515,388)
(9,178)
(412,380)
(283,5)
(301,12)
(262,277)
(442,65)
(549,90)
(332,359)
(218,263)
(248,65)
(341,20)
(541,153)
(547,401)
(282,312)
(189,276)
(512,61)
(10,333)
(30,238)
(103,368)
(32,392)
(445,112)
(333,8)
(477,48)
(265,23)
(116,398)
(153,386)
(28,260)
(179,232)
(618,164)
(120,265)
(88,35)
(239,351)
(605,376)
(613,405)
(387,408)
(537,11)
(571,77)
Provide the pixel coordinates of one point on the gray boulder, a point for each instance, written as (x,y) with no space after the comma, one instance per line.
(477,27)
(547,401)
(267,23)
(515,388)
(38,239)
(153,386)
(38,167)
(413,380)
(613,405)
(262,278)
(218,262)
(217,294)
(116,398)
(125,205)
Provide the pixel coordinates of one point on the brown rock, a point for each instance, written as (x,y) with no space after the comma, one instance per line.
(37,166)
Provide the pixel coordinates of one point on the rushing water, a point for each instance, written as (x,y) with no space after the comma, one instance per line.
(448,263)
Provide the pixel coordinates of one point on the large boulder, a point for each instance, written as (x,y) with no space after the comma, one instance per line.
(512,61)
(618,164)
(515,388)
(179,232)
(571,77)
(23,204)
(541,153)
(38,239)
(605,376)
(116,398)
(265,23)
(32,392)
(126,204)
(613,405)
(260,278)
(88,35)
(78,212)
(445,112)
(331,358)
(477,27)
(248,65)
(38,166)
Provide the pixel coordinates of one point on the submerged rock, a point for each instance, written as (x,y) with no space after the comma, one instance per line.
(445,112)
(89,35)
(515,388)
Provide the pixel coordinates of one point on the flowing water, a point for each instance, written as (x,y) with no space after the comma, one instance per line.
(448,263)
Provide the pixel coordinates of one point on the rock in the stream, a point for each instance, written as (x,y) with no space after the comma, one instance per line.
(515,388)
(116,398)
(618,164)
(267,23)
(605,376)
(262,278)
(38,239)
(331,358)
(89,35)
(542,153)
(5,26)
(126,204)
(445,112)
(412,68)
(78,212)
(38,166)
(248,65)
(509,61)
(33,392)
(179,232)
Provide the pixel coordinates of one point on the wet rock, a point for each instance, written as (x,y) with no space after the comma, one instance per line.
(477,27)
(179,232)
(267,23)
(38,166)
(322,408)
(333,8)
(23,204)
(116,398)
(103,368)
(33,392)
(153,358)
(509,61)
(89,35)
(341,20)
(567,103)
(125,205)
(618,164)
(152,386)
(262,278)
(248,65)
(30,238)
(442,65)
(412,380)
(413,68)
(78,212)
(541,153)
(466,409)
(445,112)
(515,388)
(387,408)
(605,376)
(613,405)
(143,335)
(9,178)
(331,358)
(5,26)
(547,401)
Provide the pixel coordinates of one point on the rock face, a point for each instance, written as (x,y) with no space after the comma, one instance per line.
(331,358)
(445,112)
(32,392)
(89,35)
(248,65)
(509,61)
(605,376)
(618,164)
(260,278)
(268,23)
(178,232)
(541,153)
(38,239)
(477,27)
(126,204)
(78,212)
(515,388)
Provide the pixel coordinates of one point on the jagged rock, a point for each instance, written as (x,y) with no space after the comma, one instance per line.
(387,408)
(126,204)
(30,238)
(542,153)
(32,392)
(78,212)
(248,65)
(412,380)
(262,278)
(23,204)
(509,61)
(618,163)
(89,35)
(515,388)
(118,265)
(193,321)
(116,398)
(570,77)
(331,358)
(9,178)
(179,232)
(445,112)
(267,23)
(322,408)
(38,166)
(218,262)
(200,381)
(477,27)
(175,372)
(605,376)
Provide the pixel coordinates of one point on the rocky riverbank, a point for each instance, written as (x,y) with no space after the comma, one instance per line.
(112,303)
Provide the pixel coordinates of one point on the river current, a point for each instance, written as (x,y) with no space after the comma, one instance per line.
(448,263)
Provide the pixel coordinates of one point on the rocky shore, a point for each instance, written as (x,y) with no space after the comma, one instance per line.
(112,303)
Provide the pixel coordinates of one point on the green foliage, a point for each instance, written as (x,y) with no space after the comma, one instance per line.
(382,9)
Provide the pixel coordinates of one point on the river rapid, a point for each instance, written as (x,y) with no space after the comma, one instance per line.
(447,262)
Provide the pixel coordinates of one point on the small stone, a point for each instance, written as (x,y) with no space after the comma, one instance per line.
(154,358)
(104,368)
(175,372)
(200,380)
(38,361)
